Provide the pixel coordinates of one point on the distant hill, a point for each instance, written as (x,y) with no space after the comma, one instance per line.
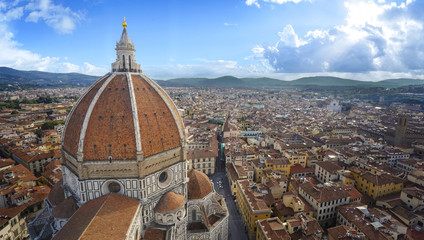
(15,79)
(324,81)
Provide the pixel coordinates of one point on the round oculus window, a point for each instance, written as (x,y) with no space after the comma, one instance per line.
(114,187)
(163,177)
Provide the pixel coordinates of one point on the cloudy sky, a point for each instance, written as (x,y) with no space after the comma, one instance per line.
(285,39)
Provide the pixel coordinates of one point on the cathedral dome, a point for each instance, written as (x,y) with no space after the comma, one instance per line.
(170,202)
(199,185)
(123,116)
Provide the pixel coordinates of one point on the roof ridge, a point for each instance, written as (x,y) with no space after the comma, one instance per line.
(94,216)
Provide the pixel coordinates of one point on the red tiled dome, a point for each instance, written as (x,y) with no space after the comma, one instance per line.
(120,115)
(170,202)
(198,185)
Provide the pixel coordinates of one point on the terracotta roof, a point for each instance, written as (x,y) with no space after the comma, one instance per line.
(355,217)
(253,197)
(272,228)
(328,166)
(77,116)
(10,212)
(154,234)
(381,179)
(170,202)
(66,208)
(297,168)
(341,232)
(198,185)
(107,217)
(353,192)
(6,162)
(34,156)
(111,130)
(57,194)
(325,193)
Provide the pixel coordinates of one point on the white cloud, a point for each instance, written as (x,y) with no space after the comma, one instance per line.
(62,19)
(93,70)
(201,68)
(230,24)
(377,36)
(253,2)
(256,2)
(289,38)
(12,53)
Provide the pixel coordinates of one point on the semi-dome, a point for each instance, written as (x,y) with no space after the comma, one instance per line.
(170,202)
(123,116)
(199,185)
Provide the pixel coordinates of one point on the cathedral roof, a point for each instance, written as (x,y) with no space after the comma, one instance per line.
(97,219)
(66,208)
(198,185)
(57,194)
(170,202)
(122,115)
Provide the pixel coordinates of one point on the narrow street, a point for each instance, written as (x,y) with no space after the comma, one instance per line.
(236,228)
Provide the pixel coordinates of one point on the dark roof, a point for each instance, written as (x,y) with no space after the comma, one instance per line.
(57,194)
(325,193)
(328,166)
(66,208)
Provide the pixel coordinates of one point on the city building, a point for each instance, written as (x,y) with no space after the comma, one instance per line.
(373,223)
(377,185)
(324,199)
(252,205)
(270,229)
(327,171)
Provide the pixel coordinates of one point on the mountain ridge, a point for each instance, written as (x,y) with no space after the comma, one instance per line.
(16,79)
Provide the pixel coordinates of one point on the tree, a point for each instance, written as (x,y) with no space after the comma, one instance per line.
(38,132)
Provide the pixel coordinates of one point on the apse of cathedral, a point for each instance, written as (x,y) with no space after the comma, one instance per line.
(124,166)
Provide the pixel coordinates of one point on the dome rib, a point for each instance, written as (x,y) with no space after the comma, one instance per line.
(168,102)
(72,132)
(135,118)
(110,131)
(158,127)
(135,114)
(90,111)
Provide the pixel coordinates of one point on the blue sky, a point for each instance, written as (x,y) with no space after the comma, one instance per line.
(285,39)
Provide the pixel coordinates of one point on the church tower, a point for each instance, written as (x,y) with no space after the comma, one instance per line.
(401,126)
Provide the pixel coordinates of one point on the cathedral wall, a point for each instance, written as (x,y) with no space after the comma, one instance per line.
(160,161)
(134,230)
(153,189)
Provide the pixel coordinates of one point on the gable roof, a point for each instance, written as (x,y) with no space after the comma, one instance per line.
(107,217)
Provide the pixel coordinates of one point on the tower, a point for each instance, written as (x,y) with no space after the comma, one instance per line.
(401,126)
